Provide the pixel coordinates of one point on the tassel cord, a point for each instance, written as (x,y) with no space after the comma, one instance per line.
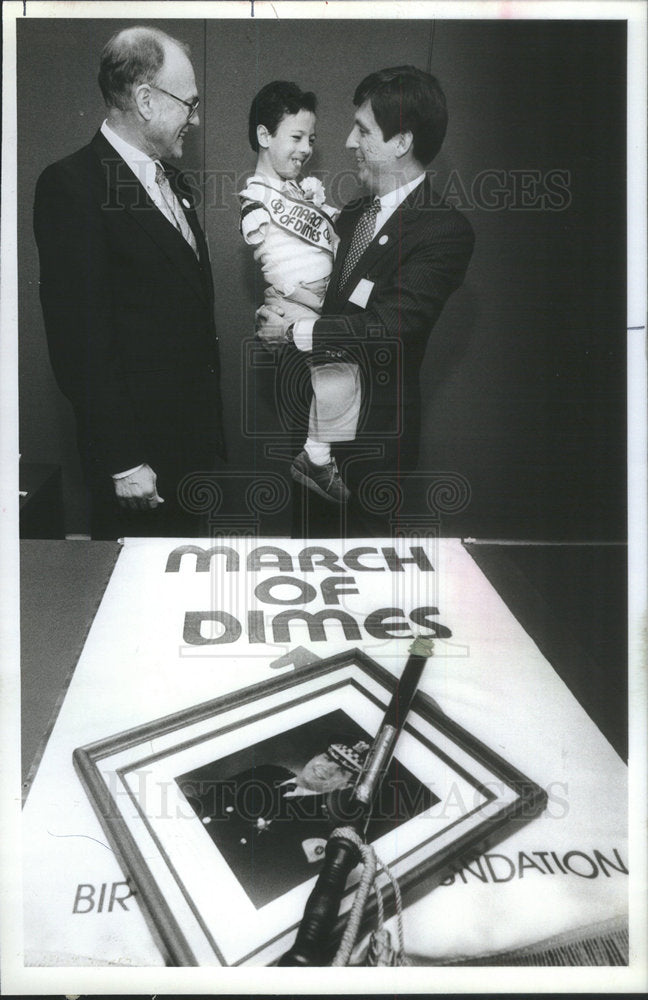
(368,880)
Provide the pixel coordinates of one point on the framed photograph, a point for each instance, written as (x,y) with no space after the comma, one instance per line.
(220,813)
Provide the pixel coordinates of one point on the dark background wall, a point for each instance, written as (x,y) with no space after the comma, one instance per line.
(524,381)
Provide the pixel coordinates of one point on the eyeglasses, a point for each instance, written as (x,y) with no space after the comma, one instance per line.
(192,105)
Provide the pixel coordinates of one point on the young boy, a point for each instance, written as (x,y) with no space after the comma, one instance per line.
(294,238)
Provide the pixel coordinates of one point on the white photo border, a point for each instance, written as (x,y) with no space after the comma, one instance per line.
(21,980)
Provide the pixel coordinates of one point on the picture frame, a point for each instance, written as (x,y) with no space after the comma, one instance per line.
(223,881)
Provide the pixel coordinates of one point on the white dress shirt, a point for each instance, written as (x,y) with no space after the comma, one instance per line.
(298,792)
(303,328)
(140,163)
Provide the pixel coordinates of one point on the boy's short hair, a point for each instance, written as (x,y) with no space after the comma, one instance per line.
(273,103)
(405,99)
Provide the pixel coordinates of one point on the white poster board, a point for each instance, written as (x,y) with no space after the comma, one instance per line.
(184,621)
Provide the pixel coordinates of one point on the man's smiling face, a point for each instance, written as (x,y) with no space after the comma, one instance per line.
(376,158)
(169,124)
(321,774)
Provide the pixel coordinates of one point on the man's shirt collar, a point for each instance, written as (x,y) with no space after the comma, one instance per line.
(140,163)
(392,199)
(389,202)
(294,790)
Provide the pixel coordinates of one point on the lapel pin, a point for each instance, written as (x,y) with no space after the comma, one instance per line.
(186,203)
(383,240)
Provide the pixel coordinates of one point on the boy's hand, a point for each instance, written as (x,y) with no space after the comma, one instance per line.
(275,316)
(272,326)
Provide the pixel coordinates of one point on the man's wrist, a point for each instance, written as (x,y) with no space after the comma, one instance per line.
(302,334)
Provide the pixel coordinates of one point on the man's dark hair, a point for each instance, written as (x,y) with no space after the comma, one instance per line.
(132,56)
(273,103)
(405,99)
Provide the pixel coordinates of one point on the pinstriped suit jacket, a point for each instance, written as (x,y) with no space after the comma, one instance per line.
(415,261)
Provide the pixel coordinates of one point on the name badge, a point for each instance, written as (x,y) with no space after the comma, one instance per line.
(360,294)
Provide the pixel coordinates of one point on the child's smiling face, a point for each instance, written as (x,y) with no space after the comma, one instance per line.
(285,153)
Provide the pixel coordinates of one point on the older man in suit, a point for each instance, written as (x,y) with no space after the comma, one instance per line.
(402,252)
(127,295)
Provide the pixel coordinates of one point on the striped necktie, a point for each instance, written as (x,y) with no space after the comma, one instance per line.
(293,190)
(171,207)
(362,237)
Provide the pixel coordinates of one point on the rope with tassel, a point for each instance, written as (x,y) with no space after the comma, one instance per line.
(381,950)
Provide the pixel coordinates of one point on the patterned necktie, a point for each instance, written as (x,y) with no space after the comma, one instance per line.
(171,207)
(362,237)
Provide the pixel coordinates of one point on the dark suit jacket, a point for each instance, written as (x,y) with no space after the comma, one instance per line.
(414,263)
(129,318)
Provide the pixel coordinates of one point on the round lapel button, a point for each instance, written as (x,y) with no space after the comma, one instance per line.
(383,240)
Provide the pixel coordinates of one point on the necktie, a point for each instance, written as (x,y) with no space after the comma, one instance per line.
(171,209)
(362,237)
(293,189)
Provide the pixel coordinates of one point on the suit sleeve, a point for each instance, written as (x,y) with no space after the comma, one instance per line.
(407,302)
(81,320)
